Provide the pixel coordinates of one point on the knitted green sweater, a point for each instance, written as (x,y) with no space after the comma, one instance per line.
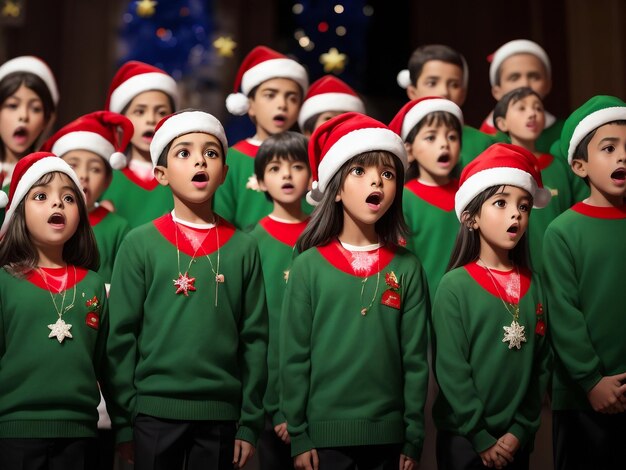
(109,229)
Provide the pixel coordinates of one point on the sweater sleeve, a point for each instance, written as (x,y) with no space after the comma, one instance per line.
(103,333)
(225,202)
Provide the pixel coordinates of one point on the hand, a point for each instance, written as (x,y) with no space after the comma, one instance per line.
(243,452)
(108,205)
(496,456)
(127,451)
(607,396)
(307,461)
(407,463)
(281,431)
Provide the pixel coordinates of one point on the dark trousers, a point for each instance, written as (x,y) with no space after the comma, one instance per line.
(273,453)
(457,453)
(48,454)
(166,444)
(106,449)
(586,439)
(375,457)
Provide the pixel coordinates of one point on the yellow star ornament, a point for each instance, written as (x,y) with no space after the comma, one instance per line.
(11,9)
(333,61)
(224,46)
(146,8)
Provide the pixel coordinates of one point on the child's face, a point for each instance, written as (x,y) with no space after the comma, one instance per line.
(522,70)
(22,120)
(286,181)
(195,167)
(91,170)
(439,78)
(524,120)
(52,212)
(436,150)
(275,106)
(322,118)
(145,111)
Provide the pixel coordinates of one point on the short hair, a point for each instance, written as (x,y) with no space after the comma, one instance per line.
(582,149)
(424,54)
(512,97)
(309,124)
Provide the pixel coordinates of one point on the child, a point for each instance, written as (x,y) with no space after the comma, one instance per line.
(272,87)
(144,94)
(353,367)
(282,169)
(523,63)
(584,275)
(29,97)
(521,116)
(91,145)
(431,129)
(491,356)
(437,70)
(48,254)
(188,344)
(327,97)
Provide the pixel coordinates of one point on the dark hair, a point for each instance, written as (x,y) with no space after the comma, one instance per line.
(327,218)
(467,245)
(309,125)
(512,97)
(12,82)
(17,254)
(424,54)
(582,149)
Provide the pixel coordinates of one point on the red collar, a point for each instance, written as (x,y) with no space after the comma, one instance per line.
(487,128)
(283,232)
(246,148)
(334,255)
(600,212)
(147,185)
(438,196)
(166,227)
(482,277)
(36,278)
(96,215)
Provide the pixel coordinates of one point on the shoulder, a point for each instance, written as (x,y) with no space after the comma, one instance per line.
(454,277)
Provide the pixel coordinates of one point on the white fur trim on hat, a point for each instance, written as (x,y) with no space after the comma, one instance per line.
(185,123)
(420,110)
(591,122)
(500,176)
(274,68)
(152,81)
(30,177)
(35,66)
(329,102)
(237,104)
(83,140)
(518,46)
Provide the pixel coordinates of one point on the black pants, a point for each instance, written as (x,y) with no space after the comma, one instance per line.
(48,454)
(457,453)
(273,453)
(376,457)
(166,444)
(586,439)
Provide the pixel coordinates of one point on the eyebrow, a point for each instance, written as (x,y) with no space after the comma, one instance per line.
(207,144)
(609,139)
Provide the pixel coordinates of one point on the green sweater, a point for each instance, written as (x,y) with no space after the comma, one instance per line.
(48,389)
(584,272)
(348,379)
(276,241)
(487,389)
(473,143)
(109,229)
(182,357)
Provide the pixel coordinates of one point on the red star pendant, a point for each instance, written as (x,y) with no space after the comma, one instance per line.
(184,284)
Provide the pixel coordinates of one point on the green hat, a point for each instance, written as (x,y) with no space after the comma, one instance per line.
(596,112)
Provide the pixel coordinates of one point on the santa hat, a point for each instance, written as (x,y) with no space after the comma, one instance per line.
(104,133)
(501,164)
(343,137)
(27,172)
(329,94)
(403,79)
(36,66)
(414,111)
(181,123)
(136,77)
(518,46)
(262,64)
(596,112)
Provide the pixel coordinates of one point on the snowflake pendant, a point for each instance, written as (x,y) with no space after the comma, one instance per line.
(514,335)
(60,330)
(184,284)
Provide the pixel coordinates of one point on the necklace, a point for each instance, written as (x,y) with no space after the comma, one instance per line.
(364,310)
(513,334)
(60,330)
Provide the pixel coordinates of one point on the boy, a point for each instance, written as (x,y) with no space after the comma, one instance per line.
(517,64)
(272,88)
(282,169)
(584,274)
(187,350)
(437,70)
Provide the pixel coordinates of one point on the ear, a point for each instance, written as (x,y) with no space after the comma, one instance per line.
(309,185)
(496,92)
(262,185)
(160,174)
(579,167)
(470,223)
(501,124)
(224,173)
(411,92)
(338,197)
(409,152)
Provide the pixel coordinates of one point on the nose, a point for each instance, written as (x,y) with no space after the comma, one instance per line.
(153,118)
(443,91)
(23,114)
(199,159)
(286,172)
(282,102)
(375,178)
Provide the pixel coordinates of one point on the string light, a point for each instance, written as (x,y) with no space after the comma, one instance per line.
(339,9)
(297,8)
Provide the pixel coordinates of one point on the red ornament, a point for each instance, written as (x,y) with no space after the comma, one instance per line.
(539,310)
(540,329)
(391,298)
(322,27)
(391,280)
(92,320)
(184,284)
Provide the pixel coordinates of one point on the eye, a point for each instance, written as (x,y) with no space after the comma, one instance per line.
(524,207)
(273,168)
(431,83)
(39,197)
(357,171)
(455,85)
(69,198)
(388,175)
(501,203)
(36,108)
(609,149)
(183,153)
(10,105)
(429,138)
(298,167)
(138,112)
(162,113)
(210,153)
(453,137)
(96,169)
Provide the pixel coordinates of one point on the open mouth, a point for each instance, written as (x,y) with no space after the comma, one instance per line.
(619,174)
(374,200)
(287,186)
(148,135)
(280,119)
(20,133)
(200,177)
(444,158)
(513,229)
(56,219)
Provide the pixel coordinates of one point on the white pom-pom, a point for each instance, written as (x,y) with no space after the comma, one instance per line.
(117,161)
(4,199)
(237,104)
(542,197)
(314,197)
(404,78)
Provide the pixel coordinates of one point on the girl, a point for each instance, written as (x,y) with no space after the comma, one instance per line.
(49,395)
(28,97)
(353,328)
(491,357)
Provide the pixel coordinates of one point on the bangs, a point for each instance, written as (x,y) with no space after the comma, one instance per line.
(48,177)
(374,158)
(441,118)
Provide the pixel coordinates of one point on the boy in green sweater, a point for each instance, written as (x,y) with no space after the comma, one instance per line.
(188,343)
(584,271)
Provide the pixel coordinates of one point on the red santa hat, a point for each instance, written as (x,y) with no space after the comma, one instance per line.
(181,123)
(343,137)
(329,94)
(136,77)
(501,164)
(104,133)
(414,111)
(518,46)
(262,64)
(36,66)
(27,172)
